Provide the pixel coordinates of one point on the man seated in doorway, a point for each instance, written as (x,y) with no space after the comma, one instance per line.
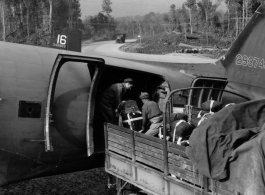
(151,113)
(112,97)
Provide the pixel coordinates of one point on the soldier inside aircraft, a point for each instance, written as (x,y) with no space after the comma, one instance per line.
(112,97)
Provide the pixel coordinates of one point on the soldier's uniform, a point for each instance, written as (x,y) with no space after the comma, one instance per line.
(151,113)
(110,99)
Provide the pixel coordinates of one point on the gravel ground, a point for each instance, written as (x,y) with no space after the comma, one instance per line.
(90,182)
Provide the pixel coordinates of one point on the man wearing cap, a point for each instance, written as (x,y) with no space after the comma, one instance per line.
(151,113)
(112,97)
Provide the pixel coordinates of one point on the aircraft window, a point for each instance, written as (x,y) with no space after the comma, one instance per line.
(198,96)
(29,109)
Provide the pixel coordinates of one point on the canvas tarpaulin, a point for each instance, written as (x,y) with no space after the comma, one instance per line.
(231,145)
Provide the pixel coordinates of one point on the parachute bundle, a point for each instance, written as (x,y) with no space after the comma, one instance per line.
(180,130)
(211,106)
(129,106)
(208,108)
(181,126)
(130,115)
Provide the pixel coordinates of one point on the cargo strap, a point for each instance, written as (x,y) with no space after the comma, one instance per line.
(204,117)
(211,105)
(160,133)
(200,114)
(129,121)
(231,104)
(133,119)
(174,134)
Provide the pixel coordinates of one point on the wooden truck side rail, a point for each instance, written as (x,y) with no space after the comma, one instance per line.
(156,165)
(139,160)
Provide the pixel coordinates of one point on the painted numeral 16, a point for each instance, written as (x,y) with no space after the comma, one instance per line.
(61,39)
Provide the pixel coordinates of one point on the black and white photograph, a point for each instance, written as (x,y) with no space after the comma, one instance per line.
(132,97)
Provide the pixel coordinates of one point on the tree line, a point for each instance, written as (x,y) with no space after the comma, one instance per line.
(194,17)
(36,22)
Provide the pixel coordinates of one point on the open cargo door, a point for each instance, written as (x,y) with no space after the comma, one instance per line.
(71,102)
(198,96)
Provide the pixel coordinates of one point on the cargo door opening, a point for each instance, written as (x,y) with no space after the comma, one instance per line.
(69,110)
(156,86)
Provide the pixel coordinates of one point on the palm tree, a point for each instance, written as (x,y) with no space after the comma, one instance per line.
(50,17)
(190,4)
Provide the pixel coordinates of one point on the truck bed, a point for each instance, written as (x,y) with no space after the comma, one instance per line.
(154,165)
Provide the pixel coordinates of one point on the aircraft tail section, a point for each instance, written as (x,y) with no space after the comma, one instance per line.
(248,50)
(244,63)
(68,39)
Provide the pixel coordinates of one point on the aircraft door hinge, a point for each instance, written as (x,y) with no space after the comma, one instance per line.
(51,120)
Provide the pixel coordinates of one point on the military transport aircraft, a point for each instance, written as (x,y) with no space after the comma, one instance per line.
(49,120)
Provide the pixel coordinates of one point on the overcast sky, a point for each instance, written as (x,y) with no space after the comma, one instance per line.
(128,7)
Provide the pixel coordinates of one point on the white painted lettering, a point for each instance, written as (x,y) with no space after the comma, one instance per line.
(261,63)
(256,62)
(58,45)
(61,39)
(238,59)
(250,61)
(245,60)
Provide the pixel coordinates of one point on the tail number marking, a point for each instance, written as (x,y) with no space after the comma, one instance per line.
(61,39)
(244,60)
